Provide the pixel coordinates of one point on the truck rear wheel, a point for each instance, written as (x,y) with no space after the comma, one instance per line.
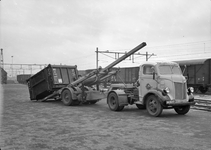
(113,102)
(153,106)
(182,110)
(67,98)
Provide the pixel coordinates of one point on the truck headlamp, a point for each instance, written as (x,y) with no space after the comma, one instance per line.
(190,90)
(165,91)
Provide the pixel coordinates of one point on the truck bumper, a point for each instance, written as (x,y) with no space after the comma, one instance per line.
(181,102)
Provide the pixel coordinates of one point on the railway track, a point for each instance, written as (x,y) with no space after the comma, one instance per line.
(202,104)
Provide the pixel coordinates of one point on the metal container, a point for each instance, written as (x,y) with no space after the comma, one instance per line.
(50,79)
(3,75)
(21,78)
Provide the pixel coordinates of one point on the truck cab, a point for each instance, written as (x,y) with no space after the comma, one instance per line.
(160,85)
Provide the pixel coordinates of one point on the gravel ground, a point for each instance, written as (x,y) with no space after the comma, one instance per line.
(28,125)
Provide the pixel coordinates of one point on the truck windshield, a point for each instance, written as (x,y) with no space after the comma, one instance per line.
(169,69)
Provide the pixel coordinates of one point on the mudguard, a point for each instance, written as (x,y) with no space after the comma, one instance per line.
(157,93)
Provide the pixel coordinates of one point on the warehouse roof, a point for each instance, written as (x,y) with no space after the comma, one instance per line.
(191,62)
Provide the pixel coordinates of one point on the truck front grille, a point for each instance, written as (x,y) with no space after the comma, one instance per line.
(180,90)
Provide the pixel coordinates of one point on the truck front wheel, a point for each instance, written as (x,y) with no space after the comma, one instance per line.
(182,110)
(113,102)
(153,106)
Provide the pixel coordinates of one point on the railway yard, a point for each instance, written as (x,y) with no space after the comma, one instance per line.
(105,75)
(31,125)
(203,102)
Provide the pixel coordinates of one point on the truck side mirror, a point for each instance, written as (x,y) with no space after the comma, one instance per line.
(184,69)
(153,72)
(153,75)
(187,77)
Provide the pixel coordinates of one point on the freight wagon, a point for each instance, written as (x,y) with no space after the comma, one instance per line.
(21,78)
(124,75)
(198,73)
(3,75)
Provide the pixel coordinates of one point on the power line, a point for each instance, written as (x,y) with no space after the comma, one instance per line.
(108,56)
(117,55)
(181,44)
(184,54)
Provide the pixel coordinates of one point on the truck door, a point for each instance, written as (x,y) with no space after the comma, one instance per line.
(146,80)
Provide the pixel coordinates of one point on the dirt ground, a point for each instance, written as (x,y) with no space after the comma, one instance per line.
(28,125)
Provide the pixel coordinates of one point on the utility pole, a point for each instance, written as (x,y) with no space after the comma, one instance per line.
(146,56)
(12,65)
(2,59)
(149,55)
(118,53)
(97,57)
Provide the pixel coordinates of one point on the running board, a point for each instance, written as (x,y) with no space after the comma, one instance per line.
(138,102)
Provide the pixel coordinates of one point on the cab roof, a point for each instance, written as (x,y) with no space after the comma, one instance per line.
(159,63)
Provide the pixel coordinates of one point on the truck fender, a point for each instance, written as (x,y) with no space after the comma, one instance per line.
(122,97)
(161,98)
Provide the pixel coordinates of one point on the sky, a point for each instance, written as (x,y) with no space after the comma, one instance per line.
(69,31)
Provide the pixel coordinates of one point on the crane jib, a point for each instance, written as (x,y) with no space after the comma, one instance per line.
(99,74)
(131,52)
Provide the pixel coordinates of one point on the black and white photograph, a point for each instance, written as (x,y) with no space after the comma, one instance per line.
(105,74)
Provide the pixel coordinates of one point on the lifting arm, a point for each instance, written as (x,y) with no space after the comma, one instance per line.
(100,74)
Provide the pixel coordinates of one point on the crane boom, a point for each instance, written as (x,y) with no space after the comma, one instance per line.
(103,72)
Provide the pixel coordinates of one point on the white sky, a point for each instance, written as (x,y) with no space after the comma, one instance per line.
(68,31)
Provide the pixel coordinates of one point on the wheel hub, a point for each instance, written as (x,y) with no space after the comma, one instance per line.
(113,101)
(153,106)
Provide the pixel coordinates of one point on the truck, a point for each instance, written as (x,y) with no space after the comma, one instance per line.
(160,85)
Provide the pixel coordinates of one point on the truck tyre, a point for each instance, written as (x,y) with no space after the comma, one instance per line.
(182,110)
(113,102)
(67,98)
(153,106)
(140,106)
